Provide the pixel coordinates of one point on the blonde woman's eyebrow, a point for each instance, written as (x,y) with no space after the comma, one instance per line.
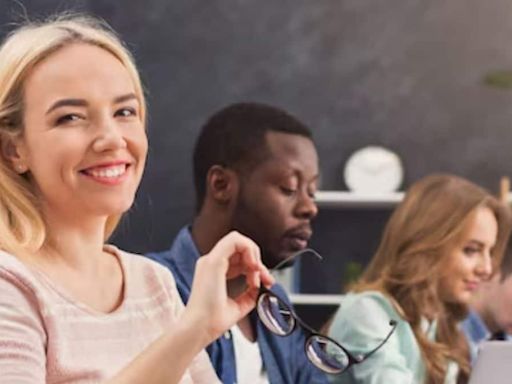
(83,103)
(124,98)
(67,103)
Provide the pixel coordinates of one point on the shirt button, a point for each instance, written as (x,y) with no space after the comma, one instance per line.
(227,335)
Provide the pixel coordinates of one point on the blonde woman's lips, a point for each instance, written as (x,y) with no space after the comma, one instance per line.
(112,173)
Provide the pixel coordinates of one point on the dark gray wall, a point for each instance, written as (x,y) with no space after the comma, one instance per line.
(407,75)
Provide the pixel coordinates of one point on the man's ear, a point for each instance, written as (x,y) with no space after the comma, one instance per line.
(12,150)
(221,184)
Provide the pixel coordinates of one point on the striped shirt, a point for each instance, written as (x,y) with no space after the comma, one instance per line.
(47,337)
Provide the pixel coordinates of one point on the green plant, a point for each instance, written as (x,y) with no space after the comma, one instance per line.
(499,79)
(352,272)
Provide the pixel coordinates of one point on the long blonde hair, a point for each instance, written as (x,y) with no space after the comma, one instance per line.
(22,225)
(411,256)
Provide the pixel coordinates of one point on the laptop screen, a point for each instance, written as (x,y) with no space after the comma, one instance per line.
(493,363)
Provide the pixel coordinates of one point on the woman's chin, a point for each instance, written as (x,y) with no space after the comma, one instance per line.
(464,298)
(118,207)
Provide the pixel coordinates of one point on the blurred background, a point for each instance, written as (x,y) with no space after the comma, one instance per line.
(429,80)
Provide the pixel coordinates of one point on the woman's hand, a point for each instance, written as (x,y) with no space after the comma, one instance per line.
(209,305)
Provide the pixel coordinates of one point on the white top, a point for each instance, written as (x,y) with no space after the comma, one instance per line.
(249,364)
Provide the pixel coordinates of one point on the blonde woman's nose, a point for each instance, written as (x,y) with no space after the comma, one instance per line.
(109,137)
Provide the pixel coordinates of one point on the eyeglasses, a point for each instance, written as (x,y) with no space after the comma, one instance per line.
(324,352)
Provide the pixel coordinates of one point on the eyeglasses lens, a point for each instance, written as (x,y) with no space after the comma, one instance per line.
(326,355)
(275,314)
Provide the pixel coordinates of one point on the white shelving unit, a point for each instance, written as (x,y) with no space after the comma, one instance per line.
(346,199)
(315,299)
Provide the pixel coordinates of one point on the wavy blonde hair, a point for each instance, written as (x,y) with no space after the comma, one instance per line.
(411,256)
(22,225)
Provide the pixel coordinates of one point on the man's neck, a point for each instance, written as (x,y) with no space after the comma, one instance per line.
(208,229)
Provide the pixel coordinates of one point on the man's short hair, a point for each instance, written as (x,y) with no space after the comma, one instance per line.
(234,137)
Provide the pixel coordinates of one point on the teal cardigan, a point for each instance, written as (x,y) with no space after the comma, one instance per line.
(361,323)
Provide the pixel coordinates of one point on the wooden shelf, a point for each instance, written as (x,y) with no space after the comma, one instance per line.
(315,299)
(347,199)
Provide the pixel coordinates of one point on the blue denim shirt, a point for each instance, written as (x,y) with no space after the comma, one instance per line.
(284,358)
(476,331)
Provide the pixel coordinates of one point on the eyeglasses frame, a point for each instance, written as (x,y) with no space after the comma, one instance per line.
(352,359)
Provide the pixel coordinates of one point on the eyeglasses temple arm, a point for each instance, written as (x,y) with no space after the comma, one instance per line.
(393,324)
(291,257)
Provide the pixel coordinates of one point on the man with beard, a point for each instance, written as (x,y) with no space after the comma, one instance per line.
(256,172)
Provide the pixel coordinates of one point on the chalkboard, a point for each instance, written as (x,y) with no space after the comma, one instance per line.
(409,75)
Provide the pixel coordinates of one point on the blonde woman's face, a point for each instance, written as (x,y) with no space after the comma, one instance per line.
(84,142)
(470,261)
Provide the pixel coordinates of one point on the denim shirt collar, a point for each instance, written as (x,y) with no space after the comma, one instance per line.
(185,255)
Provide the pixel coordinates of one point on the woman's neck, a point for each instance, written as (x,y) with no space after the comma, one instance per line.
(76,243)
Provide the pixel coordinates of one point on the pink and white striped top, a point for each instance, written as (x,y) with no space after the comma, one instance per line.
(46,337)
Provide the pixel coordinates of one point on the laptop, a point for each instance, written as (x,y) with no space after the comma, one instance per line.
(493,363)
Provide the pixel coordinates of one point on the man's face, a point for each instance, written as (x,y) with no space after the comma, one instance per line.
(275,204)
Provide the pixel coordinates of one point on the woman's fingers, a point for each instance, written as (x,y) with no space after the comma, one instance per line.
(233,256)
(243,258)
(247,301)
(235,248)
(265,277)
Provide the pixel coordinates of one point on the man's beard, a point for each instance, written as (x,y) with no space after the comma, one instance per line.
(242,211)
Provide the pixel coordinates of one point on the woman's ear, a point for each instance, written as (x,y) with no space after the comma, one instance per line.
(12,150)
(221,184)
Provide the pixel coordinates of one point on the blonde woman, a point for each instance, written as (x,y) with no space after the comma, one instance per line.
(441,242)
(73,147)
